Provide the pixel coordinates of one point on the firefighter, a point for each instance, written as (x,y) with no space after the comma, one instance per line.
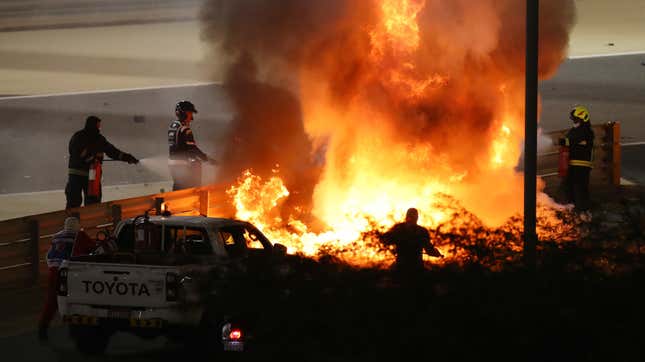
(87,148)
(410,240)
(579,139)
(185,158)
(63,242)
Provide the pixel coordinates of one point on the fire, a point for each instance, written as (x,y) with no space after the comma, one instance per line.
(500,147)
(399,25)
(407,103)
(256,200)
(396,40)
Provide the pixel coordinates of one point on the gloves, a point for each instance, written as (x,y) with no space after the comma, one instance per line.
(129,158)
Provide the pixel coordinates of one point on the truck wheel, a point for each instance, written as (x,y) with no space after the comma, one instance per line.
(90,340)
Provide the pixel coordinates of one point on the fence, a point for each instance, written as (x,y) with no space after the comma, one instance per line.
(24,241)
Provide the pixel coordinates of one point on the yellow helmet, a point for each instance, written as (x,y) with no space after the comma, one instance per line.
(579,113)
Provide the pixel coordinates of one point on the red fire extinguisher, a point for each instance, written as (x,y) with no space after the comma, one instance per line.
(563,162)
(94,180)
(147,236)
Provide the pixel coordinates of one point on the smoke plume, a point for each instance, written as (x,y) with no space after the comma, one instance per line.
(411,90)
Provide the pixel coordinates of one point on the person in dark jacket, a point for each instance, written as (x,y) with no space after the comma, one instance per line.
(185,158)
(579,139)
(410,240)
(87,148)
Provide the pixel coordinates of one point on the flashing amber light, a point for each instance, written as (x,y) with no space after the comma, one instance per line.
(235,334)
(164,210)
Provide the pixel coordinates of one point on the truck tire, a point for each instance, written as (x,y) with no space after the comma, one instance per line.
(90,340)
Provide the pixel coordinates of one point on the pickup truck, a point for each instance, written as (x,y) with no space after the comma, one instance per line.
(184,277)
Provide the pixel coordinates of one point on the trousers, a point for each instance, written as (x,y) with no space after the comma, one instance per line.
(51,303)
(76,192)
(577,187)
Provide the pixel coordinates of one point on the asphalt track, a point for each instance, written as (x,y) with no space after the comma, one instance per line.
(35,137)
(122,347)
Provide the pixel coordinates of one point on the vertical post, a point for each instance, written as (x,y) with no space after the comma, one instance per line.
(203,202)
(34,236)
(158,202)
(116,214)
(530,130)
(615,153)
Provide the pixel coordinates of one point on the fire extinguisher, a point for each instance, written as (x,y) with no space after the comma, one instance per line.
(94,179)
(563,161)
(145,237)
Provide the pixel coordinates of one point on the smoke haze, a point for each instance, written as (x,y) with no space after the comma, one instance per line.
(321,86)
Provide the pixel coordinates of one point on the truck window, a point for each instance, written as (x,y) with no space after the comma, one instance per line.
(125,239)
(234,243)
(255,238)
(188,241)
(252,241)
(238,240)
(227,237)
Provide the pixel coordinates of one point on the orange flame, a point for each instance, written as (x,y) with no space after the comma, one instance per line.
(372,175)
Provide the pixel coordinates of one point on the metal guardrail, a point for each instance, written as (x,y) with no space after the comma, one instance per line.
(24,241)
(607,156)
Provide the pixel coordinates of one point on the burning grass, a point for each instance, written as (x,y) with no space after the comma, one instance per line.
(603,243)
(460,235)
(581,299)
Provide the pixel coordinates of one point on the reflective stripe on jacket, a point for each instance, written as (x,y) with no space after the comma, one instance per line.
(580,142)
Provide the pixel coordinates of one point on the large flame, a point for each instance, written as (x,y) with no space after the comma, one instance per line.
(407,110)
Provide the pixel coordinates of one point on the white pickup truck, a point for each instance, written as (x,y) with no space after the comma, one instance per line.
(177,276)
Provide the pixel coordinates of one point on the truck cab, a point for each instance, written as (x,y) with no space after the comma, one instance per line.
(170,275)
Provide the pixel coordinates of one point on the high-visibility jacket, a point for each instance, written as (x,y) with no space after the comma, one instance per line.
(580,142)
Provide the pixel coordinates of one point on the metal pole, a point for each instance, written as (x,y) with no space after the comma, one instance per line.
(530,130)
